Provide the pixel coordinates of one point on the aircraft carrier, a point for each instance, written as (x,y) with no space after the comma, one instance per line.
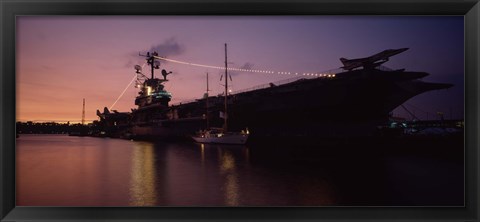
(349,103)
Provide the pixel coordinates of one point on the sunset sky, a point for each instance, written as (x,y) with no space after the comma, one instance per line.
(63,59)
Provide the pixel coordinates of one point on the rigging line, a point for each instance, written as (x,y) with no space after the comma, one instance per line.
(408,111)
(120,96)
(133,79)
(415,107)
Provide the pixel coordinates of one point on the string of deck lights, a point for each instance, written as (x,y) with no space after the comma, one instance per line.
(321,75)
(315,74)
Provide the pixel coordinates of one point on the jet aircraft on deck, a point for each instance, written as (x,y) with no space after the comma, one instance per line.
(372,61)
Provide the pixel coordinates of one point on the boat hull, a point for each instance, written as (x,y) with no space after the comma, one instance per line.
(226,139)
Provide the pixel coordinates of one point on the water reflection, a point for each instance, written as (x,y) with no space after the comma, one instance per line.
(247,155)
(228,171)
(202,151)
(143,191)
(83,171)
(109,172)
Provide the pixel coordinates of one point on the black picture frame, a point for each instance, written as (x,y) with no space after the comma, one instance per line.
(9,9)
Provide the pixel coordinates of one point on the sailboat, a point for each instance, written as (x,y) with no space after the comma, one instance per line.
(221,135)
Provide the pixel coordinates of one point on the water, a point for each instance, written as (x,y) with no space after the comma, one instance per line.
(58,170)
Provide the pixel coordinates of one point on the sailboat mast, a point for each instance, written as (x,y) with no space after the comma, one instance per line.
(226,90)
(208,124)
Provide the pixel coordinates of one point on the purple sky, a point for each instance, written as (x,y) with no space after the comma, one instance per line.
(63,59)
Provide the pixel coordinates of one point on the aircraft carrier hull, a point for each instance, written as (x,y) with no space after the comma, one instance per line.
(349,104)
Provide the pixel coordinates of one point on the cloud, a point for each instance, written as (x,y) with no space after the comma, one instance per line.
(169,47)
